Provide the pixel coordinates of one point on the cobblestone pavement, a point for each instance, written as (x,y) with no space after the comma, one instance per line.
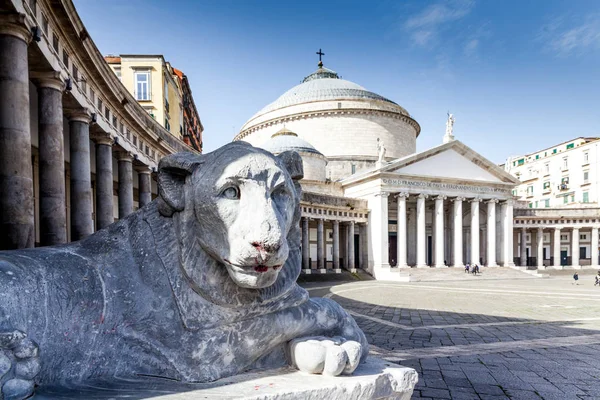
(506,339)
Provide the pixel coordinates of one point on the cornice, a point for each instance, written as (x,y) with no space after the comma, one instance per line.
(327,113)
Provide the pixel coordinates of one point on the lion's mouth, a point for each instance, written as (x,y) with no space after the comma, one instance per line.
(261,268)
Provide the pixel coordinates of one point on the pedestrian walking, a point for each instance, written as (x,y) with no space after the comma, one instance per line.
(467,267)
(575,279)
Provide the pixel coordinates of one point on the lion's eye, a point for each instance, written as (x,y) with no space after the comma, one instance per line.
(232,193)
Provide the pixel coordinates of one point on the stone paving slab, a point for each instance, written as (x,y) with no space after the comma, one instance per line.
(522,339)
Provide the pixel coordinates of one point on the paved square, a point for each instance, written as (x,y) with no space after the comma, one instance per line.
(483,339)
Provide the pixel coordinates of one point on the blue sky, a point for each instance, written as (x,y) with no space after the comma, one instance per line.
(518,75)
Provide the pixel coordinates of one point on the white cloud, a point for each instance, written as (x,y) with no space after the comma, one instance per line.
(425,26)
(471,46)
(575,39)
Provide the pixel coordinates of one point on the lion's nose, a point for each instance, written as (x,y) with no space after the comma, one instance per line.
(266,247)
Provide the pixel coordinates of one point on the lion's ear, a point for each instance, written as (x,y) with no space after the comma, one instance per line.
(293,163)
(172,172)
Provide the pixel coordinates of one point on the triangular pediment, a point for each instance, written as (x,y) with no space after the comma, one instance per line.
(452,160)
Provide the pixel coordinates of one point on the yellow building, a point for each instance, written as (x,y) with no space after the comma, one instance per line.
(152,82)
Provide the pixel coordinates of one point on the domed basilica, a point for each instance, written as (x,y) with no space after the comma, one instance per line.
(369,200)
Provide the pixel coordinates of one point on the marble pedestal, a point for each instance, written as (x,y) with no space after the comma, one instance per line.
(374,379)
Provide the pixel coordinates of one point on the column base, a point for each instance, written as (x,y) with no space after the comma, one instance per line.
(541,267)
(572,267)
(322,270)
(402,266)
(492,266)
(339,270)
(422,266)
(556,267)
(306,271)
(440,266)
(458,266)
(590,267)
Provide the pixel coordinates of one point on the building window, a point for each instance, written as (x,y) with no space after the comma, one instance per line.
(92,96)
(570,146)
(564,237)
(572,198)
(586,197)
(118,72)
(521,161)
(553,151)
(547,203)
(565,199)
(583,237)
(530,205)
(586,176)
(167,125)
(55,42)
(565,163)
(546,185)
(536,204)
(65,59)
(99,105)
(586,157)
(115,122)
(353,168)
(33,5)
(142,86)
(530,190)
(167,96)
(546,168)
(45,24)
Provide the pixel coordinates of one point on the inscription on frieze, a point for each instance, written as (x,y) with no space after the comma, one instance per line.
(442,186)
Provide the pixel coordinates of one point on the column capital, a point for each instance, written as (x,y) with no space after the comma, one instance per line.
(105,139)
(557,229)
(402,195)
(540,229)
(351,222)
(80,116)
(508,202)
(441,197)
(458,198)
(336,222)
(13,24)
(143,170)
(50,80)
(382,194)
(475,200)
(492,201)
(422,196)
(124,156)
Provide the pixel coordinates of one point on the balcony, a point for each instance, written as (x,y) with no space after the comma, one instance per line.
(563,186)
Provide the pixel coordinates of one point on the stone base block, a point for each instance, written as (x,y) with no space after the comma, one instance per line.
(306,271)
(339,270)
(322,270)
(374,379)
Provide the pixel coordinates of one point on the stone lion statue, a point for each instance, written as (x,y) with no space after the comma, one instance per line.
(198,285)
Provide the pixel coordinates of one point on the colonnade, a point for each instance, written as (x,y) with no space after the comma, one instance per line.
(17,210)
(447,250)
(557,257)
(343,233)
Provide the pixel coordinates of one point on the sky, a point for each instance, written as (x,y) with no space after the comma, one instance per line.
(519,76)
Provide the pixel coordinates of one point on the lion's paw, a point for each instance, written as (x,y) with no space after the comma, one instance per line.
(19,365)
(322,355)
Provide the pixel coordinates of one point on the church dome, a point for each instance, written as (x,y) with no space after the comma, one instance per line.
(286,140)
(338,119)
(314,163)
(324,84)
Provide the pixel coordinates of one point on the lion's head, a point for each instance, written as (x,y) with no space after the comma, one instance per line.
(242,202)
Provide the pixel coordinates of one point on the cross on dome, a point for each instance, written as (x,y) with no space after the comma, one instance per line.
(320,54)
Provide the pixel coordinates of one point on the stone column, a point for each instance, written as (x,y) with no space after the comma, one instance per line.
(17,225)
(144,186)
(458,231)
(556,248)
(305,244)
(320,245)
(378,226)
(401,234)
(594,248)
(125,184)
(508,233)
(540,248)
(336,245)
(351,259)
(439,231)
(362,250)
(523,247)
(475,231)
(53,211)
(82,224)
(421,239)
(104,182)
(575,249)
(491,233)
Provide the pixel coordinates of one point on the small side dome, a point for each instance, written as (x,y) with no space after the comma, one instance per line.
(285,140)
(314,161)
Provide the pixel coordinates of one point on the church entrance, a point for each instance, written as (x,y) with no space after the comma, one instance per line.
(393,249)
